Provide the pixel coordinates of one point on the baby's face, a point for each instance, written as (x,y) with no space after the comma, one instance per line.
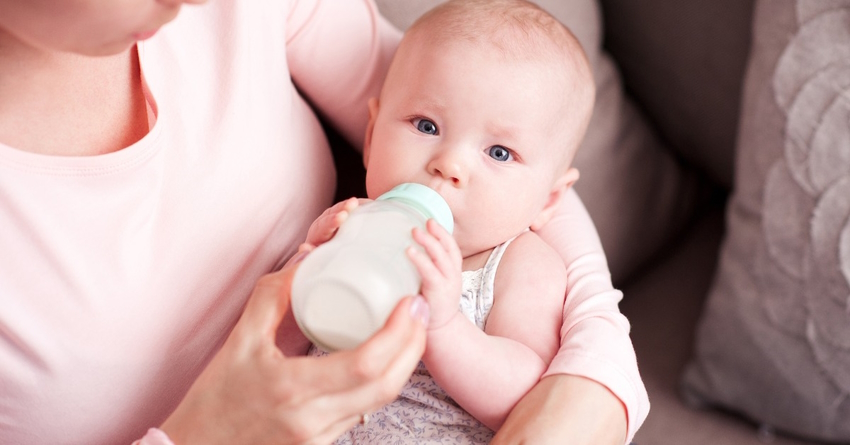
(485,132)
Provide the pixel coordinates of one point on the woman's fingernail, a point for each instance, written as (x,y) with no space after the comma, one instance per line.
(420,309)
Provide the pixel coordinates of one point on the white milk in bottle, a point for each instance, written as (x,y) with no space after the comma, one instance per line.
(345,289)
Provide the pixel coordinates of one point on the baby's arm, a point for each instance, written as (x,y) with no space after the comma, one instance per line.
(530,287)
(488,373)
(592,392)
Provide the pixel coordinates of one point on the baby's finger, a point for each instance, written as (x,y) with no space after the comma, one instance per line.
(352,203)
(436,251)
(424,264)
(326,225)
(446,240)
(343,210)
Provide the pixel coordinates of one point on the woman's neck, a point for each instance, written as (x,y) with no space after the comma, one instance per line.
(59,103)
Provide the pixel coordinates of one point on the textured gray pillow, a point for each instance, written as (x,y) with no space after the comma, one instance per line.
(634,189)
(774,339)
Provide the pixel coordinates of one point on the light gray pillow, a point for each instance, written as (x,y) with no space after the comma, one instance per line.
(637,193)
(774,339)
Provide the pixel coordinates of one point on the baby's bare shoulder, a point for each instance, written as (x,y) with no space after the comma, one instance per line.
(529,249)
(530,289)
(530,261)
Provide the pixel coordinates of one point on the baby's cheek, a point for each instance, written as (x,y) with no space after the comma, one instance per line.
(380,178)
(465,242)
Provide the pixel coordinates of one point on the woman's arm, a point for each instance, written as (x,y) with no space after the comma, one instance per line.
(592,387)
(338,54)
(546,414)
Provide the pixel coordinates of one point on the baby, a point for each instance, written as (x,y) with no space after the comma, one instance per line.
(486,102)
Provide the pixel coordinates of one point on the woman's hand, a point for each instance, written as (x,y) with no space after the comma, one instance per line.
(251,393)
(564,408)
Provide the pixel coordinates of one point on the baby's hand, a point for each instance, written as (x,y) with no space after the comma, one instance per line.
(440,267)
(325,226)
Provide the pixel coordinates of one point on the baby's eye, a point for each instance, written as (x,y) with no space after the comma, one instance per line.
(500,153)
(425,126)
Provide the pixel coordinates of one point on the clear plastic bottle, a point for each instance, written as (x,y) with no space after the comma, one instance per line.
(345,290)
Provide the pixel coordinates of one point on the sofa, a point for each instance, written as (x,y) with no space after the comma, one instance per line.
(740,322)
(715,169)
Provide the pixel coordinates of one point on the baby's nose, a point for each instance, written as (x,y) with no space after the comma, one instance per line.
(449,165)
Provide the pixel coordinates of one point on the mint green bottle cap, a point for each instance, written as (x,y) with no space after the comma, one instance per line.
(425,200)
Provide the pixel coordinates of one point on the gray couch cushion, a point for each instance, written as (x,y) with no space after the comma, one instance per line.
(663,306)
(774,340)
(684,62)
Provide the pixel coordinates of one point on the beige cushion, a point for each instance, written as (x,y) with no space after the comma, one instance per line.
(636,192)
(774,339)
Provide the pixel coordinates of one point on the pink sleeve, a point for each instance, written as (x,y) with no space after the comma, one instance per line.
(338,53)
(154,436)
(595,339)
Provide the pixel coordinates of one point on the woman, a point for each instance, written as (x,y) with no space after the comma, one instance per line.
(150,177)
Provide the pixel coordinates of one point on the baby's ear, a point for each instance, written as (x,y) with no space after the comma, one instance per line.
(562,184)
(367,142)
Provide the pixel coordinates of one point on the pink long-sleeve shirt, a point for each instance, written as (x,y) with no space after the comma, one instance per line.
(122,274)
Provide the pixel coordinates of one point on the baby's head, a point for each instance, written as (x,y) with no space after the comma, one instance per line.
(486,101)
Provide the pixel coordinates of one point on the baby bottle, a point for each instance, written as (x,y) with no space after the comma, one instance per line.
(345,289)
